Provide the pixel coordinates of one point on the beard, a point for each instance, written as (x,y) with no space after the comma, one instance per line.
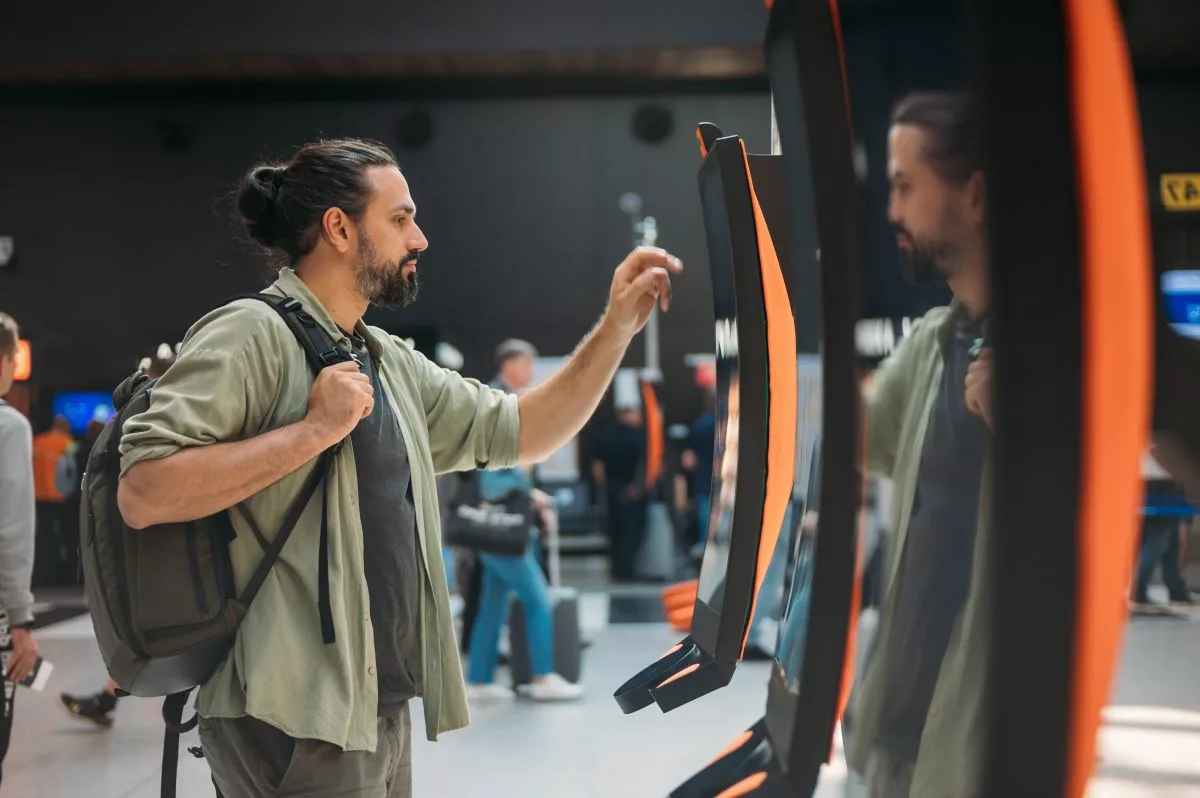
(932,258)
(925,260)
(382,282)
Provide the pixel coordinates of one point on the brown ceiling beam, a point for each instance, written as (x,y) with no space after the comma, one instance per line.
(690,63)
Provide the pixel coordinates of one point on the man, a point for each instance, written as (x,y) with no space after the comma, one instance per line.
(18,649)
(913,725)
(1165,515)
(503,576)
(54,549)
(314,698)
(619,471)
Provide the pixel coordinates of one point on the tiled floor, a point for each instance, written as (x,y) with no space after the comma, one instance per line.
(1151,746)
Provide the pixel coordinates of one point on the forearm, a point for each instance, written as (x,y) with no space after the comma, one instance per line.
(556,410)
(203,480)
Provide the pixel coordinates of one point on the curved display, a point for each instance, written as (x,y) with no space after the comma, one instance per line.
(754,442)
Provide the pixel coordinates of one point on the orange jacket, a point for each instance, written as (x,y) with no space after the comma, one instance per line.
(48,448)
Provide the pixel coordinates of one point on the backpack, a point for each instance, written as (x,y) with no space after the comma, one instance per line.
(163,602)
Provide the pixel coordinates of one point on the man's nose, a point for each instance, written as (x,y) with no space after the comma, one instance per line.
(418,242)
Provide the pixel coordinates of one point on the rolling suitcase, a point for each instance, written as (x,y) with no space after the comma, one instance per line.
(568,644)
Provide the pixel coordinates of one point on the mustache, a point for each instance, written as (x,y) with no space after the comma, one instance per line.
(411,257)
(900,229)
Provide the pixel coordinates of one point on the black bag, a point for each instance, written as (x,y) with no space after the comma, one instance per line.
(494,528)
(162,599)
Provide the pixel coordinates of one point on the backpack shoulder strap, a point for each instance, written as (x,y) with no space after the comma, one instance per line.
(319,348)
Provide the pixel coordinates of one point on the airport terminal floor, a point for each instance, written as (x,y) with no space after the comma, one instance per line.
(1149,747)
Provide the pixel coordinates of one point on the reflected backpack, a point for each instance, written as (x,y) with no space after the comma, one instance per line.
(162,599)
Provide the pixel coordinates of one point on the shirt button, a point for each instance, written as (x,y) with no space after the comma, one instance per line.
(371,671)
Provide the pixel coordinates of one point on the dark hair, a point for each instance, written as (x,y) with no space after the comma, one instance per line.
(9,335)
(953,141)
(281,204)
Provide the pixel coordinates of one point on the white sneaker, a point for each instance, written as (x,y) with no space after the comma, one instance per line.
(553,687)
(489,692)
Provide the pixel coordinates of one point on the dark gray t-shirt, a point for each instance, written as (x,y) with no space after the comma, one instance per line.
(935,569)
(389,523)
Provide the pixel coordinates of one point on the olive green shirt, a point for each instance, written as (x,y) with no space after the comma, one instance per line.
(241,373)
(898,408)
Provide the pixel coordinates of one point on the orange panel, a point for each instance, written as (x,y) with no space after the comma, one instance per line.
(654,434)
(745,786)
(690,587)
(781,376)
(837,29)
(742,739)
(695,666)
(1118,354)
(24,361)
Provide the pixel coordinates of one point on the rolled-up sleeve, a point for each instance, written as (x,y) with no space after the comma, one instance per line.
(212,393)
(470,425)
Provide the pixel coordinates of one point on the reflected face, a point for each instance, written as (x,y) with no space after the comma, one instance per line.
(390,242)
(935,221)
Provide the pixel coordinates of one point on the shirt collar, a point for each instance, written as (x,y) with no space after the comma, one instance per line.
(289,284)
(958,317)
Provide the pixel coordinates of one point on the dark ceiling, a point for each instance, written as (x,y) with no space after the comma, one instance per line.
(274,42)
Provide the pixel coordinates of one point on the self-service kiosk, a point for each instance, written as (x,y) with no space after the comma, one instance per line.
(754,454)
(1072,396)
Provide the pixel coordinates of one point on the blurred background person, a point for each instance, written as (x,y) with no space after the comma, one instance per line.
(619,470)
(502,577)
(18,649)
(52,450)
(1165,515)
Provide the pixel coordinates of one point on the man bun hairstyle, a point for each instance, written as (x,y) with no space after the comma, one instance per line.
(953,142)
(281,204)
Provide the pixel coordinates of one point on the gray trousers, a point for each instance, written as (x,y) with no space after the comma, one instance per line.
(251,759)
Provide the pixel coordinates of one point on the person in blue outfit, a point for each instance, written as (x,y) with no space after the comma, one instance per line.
(1164,512)
(505,576)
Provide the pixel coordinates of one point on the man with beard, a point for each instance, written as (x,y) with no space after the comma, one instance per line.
(308,708)
(912,727)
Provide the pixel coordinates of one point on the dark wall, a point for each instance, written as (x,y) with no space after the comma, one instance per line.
(143,28)
(122,244)
(884,62)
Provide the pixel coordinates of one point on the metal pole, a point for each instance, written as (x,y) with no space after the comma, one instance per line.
(649,236)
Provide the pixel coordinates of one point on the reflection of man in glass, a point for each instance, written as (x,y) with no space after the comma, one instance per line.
(912,728)
(720,525)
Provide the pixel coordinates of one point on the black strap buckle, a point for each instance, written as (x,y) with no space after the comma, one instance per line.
(290,304)
(331,357)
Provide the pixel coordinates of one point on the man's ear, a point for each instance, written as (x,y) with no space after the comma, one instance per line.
(977,195)
(336,229)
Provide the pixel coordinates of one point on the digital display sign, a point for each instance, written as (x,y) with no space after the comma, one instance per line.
(1181,293)
(24,361)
